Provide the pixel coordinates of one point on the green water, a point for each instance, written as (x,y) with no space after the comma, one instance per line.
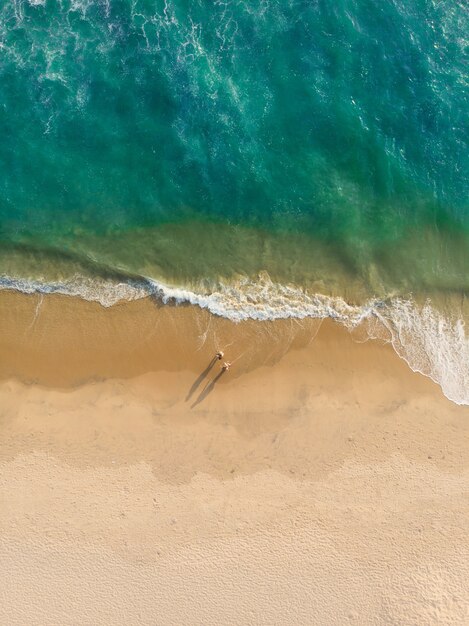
(325,143)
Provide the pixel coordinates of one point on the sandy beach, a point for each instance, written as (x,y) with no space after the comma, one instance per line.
(319,481)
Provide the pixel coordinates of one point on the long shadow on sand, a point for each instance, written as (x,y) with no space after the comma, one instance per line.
(208,389)
(201,378)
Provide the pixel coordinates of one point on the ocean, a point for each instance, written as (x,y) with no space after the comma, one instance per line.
(263,159)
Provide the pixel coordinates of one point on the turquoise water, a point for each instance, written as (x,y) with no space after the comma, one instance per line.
(342,121)
(262,158)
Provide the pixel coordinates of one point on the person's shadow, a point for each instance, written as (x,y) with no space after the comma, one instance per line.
(208,389)
(201,378)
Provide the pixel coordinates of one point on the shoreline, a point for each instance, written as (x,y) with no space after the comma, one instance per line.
(64,341)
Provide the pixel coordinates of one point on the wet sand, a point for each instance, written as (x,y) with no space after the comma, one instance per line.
(319,481)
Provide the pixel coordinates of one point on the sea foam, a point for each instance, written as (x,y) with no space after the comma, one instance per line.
(430,342)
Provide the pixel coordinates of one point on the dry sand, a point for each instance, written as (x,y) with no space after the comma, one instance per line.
(318,482)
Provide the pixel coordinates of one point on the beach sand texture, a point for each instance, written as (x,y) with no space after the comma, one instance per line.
(319,481)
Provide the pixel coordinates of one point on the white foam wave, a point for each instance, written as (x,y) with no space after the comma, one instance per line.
(107,293)
(432,344)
